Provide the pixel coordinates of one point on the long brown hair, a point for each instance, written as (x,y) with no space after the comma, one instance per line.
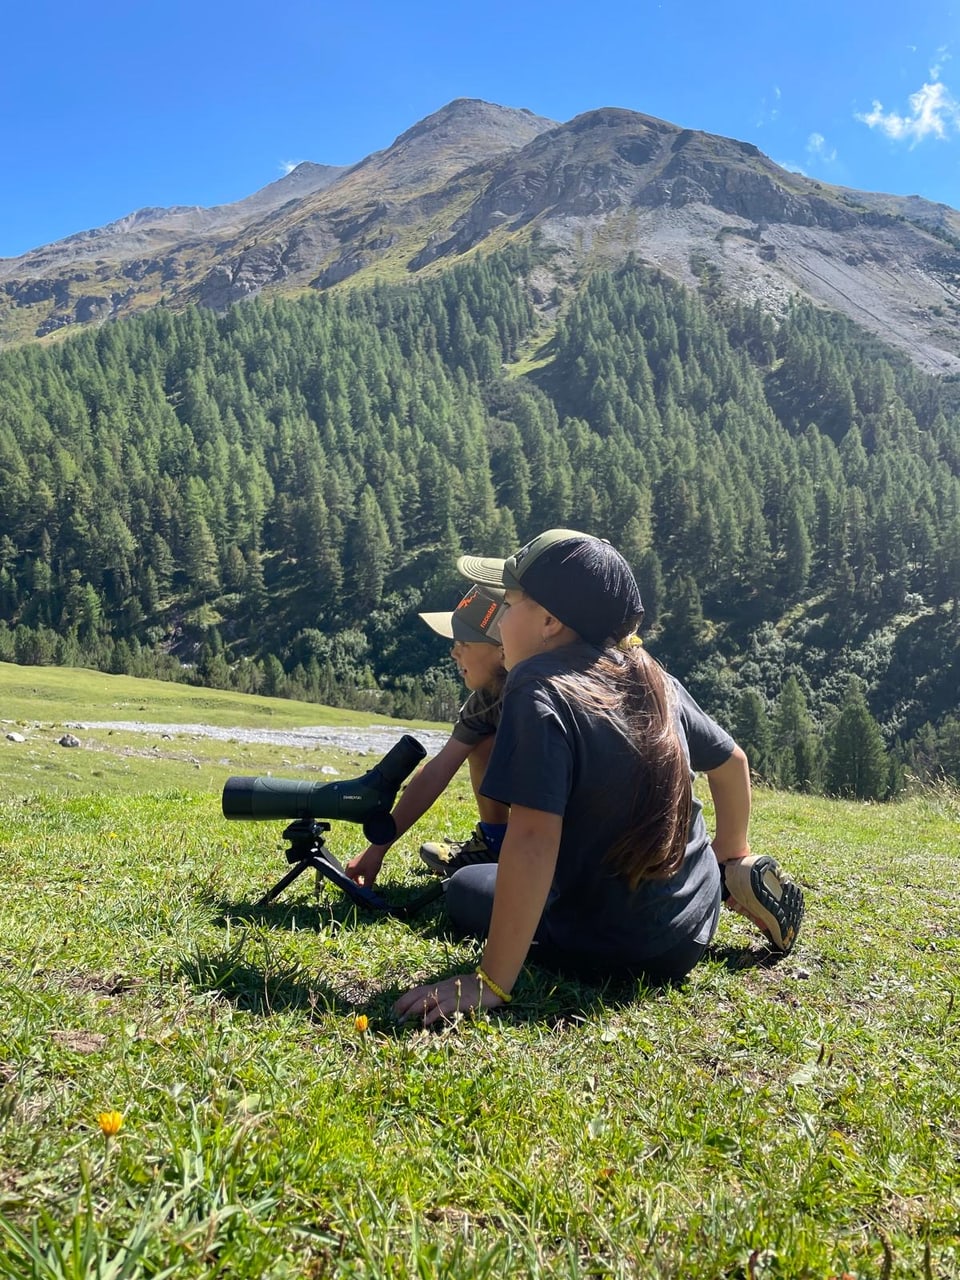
(631,690)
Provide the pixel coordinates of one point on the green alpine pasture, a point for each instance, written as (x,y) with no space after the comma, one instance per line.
(43,704)
(191,1086)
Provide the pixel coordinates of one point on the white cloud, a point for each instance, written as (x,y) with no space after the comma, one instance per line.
(934,111)
(768,114)
(941,57)
(288,166)
(791,167)
(817,149)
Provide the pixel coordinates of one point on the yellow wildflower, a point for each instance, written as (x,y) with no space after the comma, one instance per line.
(361,1022)
(110,1122)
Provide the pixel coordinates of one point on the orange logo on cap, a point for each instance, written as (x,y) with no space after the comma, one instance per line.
(485,620)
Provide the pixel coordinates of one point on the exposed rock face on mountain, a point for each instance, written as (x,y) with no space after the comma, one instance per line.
(606,184)
(148,229)
(381,204)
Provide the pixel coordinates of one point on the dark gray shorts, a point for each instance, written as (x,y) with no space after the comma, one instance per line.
(468,900)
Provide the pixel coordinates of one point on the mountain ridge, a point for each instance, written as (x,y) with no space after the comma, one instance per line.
(609,183)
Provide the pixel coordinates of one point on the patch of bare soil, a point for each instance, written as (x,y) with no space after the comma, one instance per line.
(80,1041)
(113,984)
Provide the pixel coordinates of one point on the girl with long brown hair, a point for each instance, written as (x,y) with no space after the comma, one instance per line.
(606,866)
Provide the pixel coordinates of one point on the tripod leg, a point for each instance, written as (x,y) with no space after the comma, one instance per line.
(279,887)
(418,903)
(328,866)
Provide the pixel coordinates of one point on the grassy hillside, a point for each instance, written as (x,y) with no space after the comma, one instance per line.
(797,1117)
(60,694)
(43,703)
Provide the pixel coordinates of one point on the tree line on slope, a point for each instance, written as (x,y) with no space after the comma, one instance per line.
(270,495)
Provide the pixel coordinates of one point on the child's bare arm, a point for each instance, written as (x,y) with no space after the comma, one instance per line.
(417,797)
(730,789)
(527,863)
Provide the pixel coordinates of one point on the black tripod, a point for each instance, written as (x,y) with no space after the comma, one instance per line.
(308,849)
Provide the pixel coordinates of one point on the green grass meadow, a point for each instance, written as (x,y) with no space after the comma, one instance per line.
(775,1117)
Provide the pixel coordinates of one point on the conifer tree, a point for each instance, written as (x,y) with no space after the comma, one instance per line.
(274,678)
(798,751)
(649,577)
(798,553)
(200,559)
(504,539)
(369,553)
(684,633)
(256,597)
(857,764)
(753,732)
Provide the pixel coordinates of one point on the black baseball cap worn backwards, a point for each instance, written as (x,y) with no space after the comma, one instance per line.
(476,619)
(581,580)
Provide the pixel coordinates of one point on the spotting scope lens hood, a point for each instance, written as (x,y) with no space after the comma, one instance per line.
(367,799)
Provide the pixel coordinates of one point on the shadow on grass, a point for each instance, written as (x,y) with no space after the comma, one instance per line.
(262,989)
(297,913)
(561,1000)
(256,977)
(738,958)
(270,982)
(546,1000)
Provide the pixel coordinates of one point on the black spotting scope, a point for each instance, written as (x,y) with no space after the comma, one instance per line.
(367,799)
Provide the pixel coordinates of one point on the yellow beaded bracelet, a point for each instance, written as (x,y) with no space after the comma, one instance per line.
(497,991)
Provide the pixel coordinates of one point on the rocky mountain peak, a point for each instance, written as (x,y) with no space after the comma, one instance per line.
(608,183)
(473,117)
(466,132)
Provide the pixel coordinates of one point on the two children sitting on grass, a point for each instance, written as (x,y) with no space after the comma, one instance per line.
(591,853)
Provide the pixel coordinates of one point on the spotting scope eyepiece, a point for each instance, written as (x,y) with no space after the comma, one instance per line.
(367,799)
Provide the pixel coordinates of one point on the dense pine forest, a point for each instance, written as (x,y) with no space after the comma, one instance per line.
(264,499)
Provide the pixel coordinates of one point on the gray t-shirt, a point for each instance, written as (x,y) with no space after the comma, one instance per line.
(479,717)
(554,755)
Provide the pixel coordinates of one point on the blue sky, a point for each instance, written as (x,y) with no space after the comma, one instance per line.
(107,107)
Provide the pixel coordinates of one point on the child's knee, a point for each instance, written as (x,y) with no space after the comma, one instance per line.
(468,898)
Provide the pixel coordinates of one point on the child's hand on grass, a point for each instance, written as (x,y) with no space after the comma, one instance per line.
(442,1001)
(365,867)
